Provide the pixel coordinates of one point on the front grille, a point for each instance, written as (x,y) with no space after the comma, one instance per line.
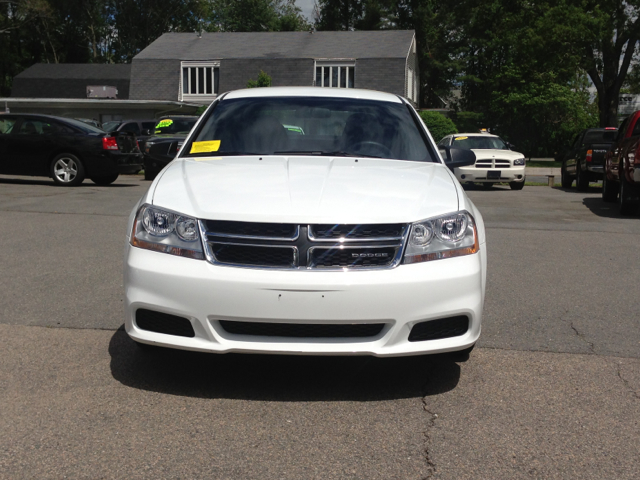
(279,245)
(248,229)
(331,232)
(164,323)
(254,255)
(440,328)
(302,330)
(496,163)
(351,257)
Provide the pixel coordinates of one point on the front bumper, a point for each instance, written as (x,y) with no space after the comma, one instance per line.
(399,297)
(473,174)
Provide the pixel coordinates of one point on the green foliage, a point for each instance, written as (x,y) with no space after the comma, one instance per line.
(264,80)
(468,122)
(439,125)
(255,16)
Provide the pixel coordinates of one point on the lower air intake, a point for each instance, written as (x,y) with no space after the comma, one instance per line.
(302,330)
(440,328)
(164,323)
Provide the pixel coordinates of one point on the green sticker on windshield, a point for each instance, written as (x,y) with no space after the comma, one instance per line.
(164,123)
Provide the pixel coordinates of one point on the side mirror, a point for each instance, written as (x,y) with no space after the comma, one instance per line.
(457,157)
(146,132)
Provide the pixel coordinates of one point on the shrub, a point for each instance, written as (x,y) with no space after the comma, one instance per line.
(439,125)
(264,80)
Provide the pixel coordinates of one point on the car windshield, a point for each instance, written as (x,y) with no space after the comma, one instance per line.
(479,143)
(311,126)
(110,126)
(599,136)
(175,125)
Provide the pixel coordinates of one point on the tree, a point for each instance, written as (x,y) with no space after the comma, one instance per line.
(439,125)
(264,80)
(255,16)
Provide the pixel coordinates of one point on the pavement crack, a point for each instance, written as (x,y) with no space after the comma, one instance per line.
(431,466)
(626,382)
(579,334)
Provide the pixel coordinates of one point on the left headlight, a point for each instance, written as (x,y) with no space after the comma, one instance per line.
(519,161)
(165,231)
(447,236)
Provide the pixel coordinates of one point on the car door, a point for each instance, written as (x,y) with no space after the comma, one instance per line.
(32,145)
(7,125)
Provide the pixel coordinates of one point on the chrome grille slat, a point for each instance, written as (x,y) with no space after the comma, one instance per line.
(339,246)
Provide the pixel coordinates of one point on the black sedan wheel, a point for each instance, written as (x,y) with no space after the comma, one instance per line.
(67,170)
(106,180)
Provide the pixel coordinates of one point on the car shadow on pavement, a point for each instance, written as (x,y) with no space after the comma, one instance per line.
(51,183)
(601,208)
(279,377)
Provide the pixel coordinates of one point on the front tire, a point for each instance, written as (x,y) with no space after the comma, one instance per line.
(582,179)
(609,190)
(566,180)
(106,180)
(628,199)
(67,170)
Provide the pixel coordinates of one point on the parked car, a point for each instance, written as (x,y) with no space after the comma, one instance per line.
(64,149)
(584,162)
(142,129)
(495,162)
(90,121)
(162,147)
(354,238)
(621,180)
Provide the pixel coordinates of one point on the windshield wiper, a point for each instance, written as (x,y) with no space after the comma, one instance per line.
(337,153)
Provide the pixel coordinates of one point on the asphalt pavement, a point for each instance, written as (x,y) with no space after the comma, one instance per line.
(551,391)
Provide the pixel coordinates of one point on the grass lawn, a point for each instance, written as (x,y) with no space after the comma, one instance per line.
(535,164)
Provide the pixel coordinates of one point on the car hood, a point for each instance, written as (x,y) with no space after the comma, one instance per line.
(306,189)
(492,153)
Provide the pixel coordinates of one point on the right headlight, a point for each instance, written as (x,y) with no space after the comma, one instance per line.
(451,235)
(165,231)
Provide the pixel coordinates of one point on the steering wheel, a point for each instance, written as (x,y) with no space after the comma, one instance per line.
(368,147)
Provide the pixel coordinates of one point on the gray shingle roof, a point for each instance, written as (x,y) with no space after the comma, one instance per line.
(86,71)
(219,45)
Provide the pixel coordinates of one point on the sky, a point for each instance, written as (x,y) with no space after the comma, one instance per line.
(307,8)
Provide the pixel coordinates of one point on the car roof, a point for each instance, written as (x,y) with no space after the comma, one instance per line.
(313,92)
(474,135)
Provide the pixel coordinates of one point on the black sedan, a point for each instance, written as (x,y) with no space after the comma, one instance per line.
(64,149)
(160,149)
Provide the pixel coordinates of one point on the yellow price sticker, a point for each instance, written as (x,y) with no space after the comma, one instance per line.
(203,147)
(164,123)
(461,138)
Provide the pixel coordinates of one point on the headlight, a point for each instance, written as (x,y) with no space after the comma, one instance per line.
(519,161)
(448,236)
(167,232)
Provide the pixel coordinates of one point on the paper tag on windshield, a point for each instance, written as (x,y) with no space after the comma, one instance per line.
(461,138)
(204,147)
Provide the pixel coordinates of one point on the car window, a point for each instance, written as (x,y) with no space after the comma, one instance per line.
(623,129)
(35,127)
(6,125)
(174,125)
(148,125)
(600,136)
(479,143)
(83,127)
(130,127)
(444,142)
(110,126)
(331,126)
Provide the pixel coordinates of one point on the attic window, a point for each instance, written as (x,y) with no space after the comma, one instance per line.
(335,75)
(200,79)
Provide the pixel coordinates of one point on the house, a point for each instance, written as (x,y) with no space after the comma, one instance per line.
(197,68)
(180,72)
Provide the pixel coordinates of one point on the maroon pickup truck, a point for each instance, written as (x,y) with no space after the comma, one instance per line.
(621,179)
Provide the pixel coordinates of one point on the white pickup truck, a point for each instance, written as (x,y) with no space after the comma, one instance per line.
(345,235)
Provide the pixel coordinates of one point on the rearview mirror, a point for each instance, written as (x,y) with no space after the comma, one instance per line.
(457,157)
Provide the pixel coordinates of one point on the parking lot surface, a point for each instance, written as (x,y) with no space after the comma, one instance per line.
(552,391)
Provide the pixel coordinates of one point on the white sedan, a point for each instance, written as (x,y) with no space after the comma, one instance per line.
(348,236)
(495,161)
